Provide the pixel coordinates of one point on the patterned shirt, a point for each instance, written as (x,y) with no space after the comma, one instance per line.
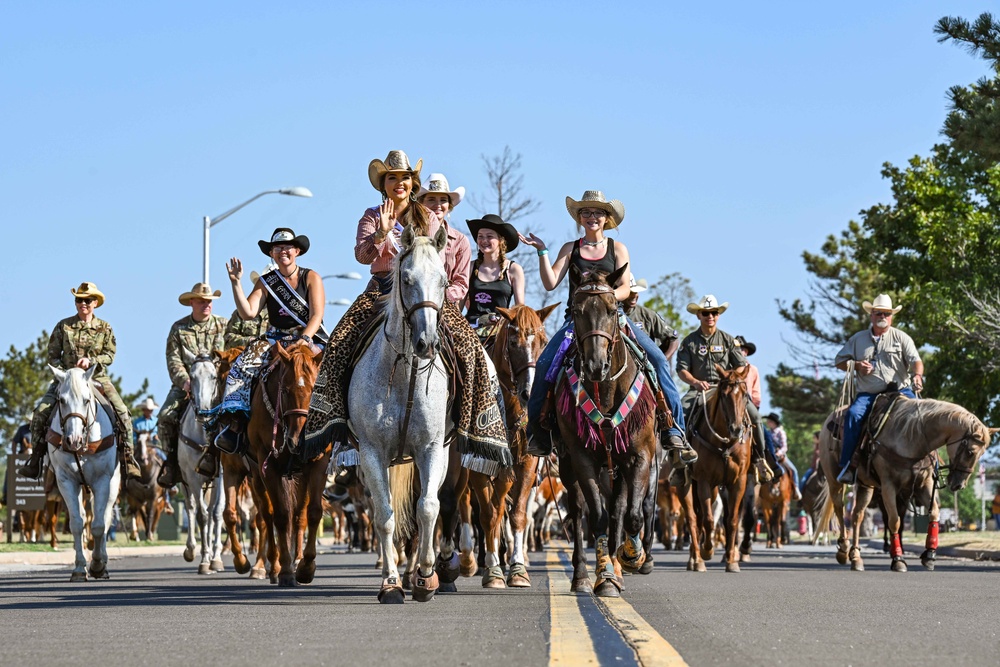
(73,339)
(239,332)
(196,338)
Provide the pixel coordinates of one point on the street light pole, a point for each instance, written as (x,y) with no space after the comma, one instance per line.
(208,222)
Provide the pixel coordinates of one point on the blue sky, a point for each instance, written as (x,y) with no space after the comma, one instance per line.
(736,135)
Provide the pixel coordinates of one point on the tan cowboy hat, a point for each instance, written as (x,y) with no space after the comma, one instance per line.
(395,162)
(638,285)
(149,404)
(595,199)
(199,291)
(439,184)
(882,302)
(707,302)
(88,291)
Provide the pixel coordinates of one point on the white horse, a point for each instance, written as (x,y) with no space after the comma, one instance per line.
(84,455)
(203,506)
(410,416)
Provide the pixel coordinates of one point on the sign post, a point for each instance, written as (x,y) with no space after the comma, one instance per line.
(23,494)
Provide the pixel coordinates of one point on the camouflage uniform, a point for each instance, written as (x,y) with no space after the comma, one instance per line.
(72,340)
(239,332)
(197,338)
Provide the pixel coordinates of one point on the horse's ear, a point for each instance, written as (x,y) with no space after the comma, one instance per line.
(993,430)
(187,356)
(721,371)
(59,374)
(507,313)
(743,370)
(89,373)
(615,276)
(407,237)
(282,352)
(441,238)
(547,310)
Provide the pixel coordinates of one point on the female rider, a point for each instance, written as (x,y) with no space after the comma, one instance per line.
(495,281)
(596,252)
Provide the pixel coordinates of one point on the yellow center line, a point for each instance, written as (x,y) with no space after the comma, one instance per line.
(653,650)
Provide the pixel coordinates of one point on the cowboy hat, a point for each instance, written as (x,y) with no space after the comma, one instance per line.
(882,302)
(439,184)
(149,404)
(708,302)
(88,291)
(638,285)
(595,199)
(496,223)
(395,162)
(749,347)
(284,235)
(199,291)
(774,417)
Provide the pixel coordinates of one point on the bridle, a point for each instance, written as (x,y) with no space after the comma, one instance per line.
(728,442)
(207,359)
(277,414)
(600,289)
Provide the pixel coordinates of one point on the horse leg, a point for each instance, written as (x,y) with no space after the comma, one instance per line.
(204,530)
(231,481)
(376,476)
(893,523)
(447,565)
(575,504)
(649,512)
(520,492)
(489,525)
(432,465)
(259,570)
(929,555)
(215,523)
(706,540)
(189,509)
(466,540)
(283,521)
(311,494)
(731,517)
(863,496)
(748,519)
(104,511)
(695,562)
(588,477)
(73,495)
(836,491)
(631,552)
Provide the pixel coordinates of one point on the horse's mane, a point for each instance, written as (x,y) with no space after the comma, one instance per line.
(302,361)
(526,321)
(75,382)
(917,412)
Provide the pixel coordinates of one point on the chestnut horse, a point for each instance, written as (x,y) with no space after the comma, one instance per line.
(901,465)
(278,410)
(774,499)
(723,460)
(589,413)
(145,498)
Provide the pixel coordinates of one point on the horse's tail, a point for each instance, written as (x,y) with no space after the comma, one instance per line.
(402,479)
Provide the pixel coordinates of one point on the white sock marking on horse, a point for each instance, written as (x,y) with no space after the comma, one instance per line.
(518,556)
(465,540)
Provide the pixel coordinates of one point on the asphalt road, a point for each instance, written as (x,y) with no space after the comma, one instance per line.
(794,607)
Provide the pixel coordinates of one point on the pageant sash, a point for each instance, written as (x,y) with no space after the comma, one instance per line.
(290,300)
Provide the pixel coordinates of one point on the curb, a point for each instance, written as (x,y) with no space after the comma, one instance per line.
(67,556)
(948,552)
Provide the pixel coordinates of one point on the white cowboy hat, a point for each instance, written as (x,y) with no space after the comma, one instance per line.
(88,291)
(439,184)
(394,162)
(595,199)
(199,291)
(638,285)
(149,404)
(882,302)
(708,302)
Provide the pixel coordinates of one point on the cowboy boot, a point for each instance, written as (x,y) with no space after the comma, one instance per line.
(539,441)
(680,451)
(208,464)
(132,469)
(33,468)
(170,472)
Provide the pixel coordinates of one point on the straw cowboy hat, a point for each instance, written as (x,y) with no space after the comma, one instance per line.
(882,302)
(284,235)
(638,285)
(708,302)
(88,291)
(595,199)
(746,345)
(437,183)
(496,223)
(199,291)
(149,404)
(395,162)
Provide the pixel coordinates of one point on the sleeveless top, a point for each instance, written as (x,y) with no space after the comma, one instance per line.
(608,263)
(278,316)
(485,297)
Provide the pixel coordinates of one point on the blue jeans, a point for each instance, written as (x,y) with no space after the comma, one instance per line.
(769,444)
(791,468)
(656,358)
(853,420)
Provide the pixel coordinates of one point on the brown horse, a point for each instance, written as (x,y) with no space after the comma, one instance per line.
(144,498)
(774,499)
(723,461)
(670,511)
(294,489)
(609,382)
(901,467)
(516,345)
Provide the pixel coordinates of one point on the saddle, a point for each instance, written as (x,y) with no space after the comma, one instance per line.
(118,430)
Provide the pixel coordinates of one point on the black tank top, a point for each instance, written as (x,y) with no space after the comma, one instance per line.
(608,263)
(277,315)
(485,297)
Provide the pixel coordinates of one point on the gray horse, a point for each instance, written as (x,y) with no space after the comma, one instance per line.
(401,388)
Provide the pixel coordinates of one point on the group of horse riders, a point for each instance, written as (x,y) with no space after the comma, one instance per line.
(285,306)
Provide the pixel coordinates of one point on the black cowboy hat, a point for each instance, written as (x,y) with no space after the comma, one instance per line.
(285,236)
(742,342)
(774,417)
(496,223)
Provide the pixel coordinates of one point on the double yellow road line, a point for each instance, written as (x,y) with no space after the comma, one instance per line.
(582,625)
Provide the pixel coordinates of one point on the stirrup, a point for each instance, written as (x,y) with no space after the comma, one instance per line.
(168,475)
(32,469)
(229,441)
(762,472)
(539,443)
(847,476)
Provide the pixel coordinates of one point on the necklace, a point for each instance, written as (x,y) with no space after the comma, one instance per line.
(289,276)
(594,244)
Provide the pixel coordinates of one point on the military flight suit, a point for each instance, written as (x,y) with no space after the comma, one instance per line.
(72,340)
(239,332)
(196,338)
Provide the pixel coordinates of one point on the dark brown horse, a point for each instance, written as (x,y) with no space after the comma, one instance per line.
(774,499)
(604,382)
(720,431)
(294,488)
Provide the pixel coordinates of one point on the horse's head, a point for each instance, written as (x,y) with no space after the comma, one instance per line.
(300,366)
(142,453)
(523,338)
(595,320)
(964,453)
(224,361)
(204,374)
(419,286)
(732,396)
(76,409)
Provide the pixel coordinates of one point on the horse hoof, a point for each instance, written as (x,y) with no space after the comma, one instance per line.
(273,579)
(744,558)
(629,564)
(90,543)
(189,554)
(607,588)
(647,567)
(707,554)
(732,567)
(448,587)
(78,576)
(493,577)
(257,573)
(390,594)
(205,568)
(448,569)
(242,566)
(581,585)
(899,565)
(690,565)
(287,580)
(857,566)
(468,566)
(423,587)
(517,576)
(407,584)
(700,566)
(842,557)
(305,572)
(217,566)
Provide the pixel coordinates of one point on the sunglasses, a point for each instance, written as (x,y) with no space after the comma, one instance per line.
(709,313)
(83,300)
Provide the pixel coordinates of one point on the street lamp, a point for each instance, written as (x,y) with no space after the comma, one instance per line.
(212,222)
(350,275)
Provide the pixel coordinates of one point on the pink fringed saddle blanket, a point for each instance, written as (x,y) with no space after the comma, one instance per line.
(624,423)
